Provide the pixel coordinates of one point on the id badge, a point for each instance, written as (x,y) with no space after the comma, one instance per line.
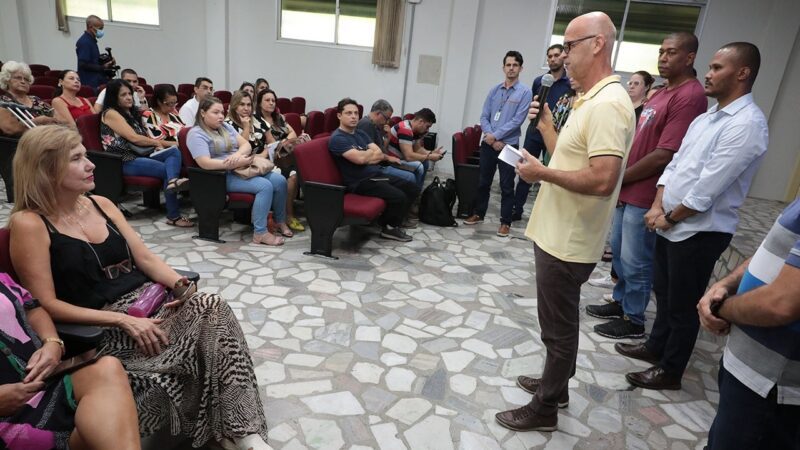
(497,116)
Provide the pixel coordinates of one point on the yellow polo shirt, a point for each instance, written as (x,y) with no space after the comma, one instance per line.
(571,226)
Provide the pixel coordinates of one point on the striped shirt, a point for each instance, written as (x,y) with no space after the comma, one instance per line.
(762,357)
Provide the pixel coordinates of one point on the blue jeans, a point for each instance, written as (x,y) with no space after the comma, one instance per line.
(745,420)
(632,244)
(417,176)
(489,163)
(270,191)
(165,165)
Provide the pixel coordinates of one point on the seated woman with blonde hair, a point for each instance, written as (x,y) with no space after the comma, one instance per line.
(215,145)
(188,363)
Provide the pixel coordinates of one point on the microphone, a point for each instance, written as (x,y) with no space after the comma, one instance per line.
(544,90)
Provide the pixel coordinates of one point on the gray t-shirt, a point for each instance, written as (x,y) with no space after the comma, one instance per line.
(374,132)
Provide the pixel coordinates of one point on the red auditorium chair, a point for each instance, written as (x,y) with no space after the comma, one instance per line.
(466,175)
(223,96)
(147,88)
(46,81)
(186,88)
(86,91)
(207,189)
(142,81)
(293,119)
(408,116)
(299,105)
(182,98)
(51,73)
(38,69)
(360,110)
(331,121)
(327,205)
(42,91)
(284,105)
(472,140)
(315,123)
(395,120)
(108,178)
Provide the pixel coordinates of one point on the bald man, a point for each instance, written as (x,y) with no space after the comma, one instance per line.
(90,70)
(572,214)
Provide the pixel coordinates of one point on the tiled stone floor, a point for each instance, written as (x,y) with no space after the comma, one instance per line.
(417,345)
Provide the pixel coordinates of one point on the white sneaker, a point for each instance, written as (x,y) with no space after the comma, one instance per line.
(604,282)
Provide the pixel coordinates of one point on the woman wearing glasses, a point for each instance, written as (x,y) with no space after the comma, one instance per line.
(188,364)
(161,119)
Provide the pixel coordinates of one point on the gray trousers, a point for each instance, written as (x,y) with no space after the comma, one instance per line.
(558,288)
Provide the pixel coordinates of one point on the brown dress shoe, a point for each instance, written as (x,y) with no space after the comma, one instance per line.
(473,219)
(654,378)
(524,419)
(636,351)
(503,230)
(530,385)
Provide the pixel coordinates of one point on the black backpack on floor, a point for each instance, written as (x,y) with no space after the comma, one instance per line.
(436,205)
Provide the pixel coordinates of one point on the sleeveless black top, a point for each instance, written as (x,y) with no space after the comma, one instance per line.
(77,267)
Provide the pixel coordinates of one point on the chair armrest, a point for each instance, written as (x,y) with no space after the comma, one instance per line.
(84,334)
(192,276)
(324,186)
(108,174)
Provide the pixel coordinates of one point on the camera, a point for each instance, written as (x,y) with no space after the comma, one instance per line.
(105,58)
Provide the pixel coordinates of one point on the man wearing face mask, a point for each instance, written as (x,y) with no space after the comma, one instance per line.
(90,70)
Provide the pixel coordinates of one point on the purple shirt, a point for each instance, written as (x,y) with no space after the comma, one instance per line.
(662,124)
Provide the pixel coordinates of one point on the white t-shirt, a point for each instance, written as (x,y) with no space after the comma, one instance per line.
(188,111)
(102,96)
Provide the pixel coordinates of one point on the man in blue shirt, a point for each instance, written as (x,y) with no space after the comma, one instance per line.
(534,143)
(504,110)
(694,211)
(91,72)
(358,160)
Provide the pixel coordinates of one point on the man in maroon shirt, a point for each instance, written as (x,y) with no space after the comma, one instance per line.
(659,133)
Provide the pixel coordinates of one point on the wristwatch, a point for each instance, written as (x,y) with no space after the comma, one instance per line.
(715,306)
(669,219)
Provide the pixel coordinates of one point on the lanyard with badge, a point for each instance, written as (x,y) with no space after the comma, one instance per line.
(500,111)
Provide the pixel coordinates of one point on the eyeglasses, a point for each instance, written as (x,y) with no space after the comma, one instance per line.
(387,117)
(173,103)
(634,83)
(112,272)
(569,44)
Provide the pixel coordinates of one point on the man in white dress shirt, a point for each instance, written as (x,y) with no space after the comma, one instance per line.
(695,211)
(203,87)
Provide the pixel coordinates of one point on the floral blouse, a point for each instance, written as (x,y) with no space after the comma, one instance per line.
(39,107)
(258,133)
(114,143)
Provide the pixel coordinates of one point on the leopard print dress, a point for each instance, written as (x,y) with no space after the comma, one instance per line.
(202,384)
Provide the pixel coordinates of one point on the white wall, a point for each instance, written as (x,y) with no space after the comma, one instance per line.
(235,40)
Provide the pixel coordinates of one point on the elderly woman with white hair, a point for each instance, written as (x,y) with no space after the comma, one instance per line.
(16,80)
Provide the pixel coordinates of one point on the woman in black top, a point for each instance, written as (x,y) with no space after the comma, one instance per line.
(188,364)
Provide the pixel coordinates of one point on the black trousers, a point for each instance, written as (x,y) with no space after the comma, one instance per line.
(681,271)
(398,194)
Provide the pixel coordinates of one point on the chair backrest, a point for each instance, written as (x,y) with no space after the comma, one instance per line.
(182,98)
(284,105)
(147,88)
(468,133)
(293,119)
(186,155)
(5,255)
(408,116)
(46,81)
(360,110)
(142,81)
(89,128)
(460,152)
(331,120)
(315,123)
(186,88)
(86,91)
(315,162)
(51,73)
(164,84)
(223,96)
(42,91)
(395,120)
(299,105)
(38,69)
(476,138)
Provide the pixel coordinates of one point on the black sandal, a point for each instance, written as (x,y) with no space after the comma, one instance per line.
(180,222)
(177,185)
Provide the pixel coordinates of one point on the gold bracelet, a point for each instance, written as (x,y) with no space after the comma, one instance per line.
(57,341)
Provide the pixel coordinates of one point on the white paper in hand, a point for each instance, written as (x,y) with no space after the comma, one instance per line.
(510,155)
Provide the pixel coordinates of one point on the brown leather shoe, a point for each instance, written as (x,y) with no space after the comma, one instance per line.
(473,220)
(524,419)
(530,385)
(636,351)
(503,230)
(654,378)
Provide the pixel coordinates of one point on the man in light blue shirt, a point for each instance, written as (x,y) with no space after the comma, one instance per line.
(504,110)
(695,211)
